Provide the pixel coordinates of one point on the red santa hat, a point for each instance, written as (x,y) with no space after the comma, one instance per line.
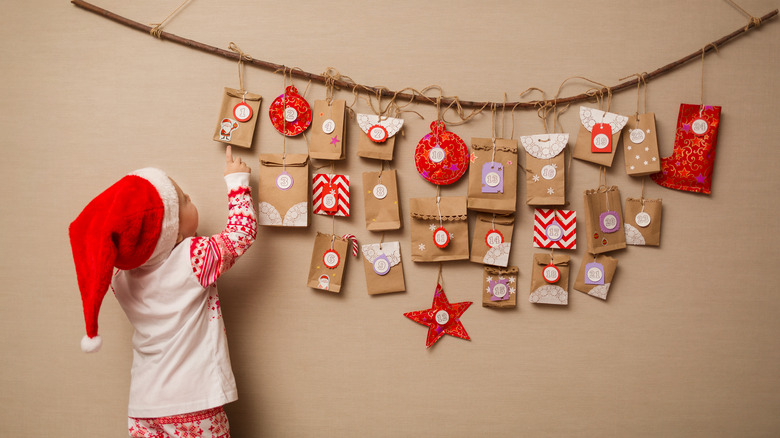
(134,223)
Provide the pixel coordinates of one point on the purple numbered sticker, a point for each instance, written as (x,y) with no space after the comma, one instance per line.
(381,265)
(594,273)
(284,181)
(499,290)
(609,221)
(554,231)
(492,177)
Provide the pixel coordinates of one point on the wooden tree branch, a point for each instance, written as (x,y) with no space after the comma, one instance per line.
(416,96)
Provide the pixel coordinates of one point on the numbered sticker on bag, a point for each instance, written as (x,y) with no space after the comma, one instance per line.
(441,237)
(609,221)
(380,191)
(331,259)
(594,273)
(381,265)
(492,177)
(554,231)
(551,273)
(284,181)
(494,238)
(601,138)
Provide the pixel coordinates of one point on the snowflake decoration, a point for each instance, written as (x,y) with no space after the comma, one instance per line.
(511,289)
(550,191)
(632,167)
(645,162)
(628,147)
(637,157)
(421,247)
(487,289)
(432,227)
(647,149)
(511,279)
(489,279)
(653,158)
(536,178)
(452,235)
(648,131)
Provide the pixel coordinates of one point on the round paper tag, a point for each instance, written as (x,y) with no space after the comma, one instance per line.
(610,222)
(329,201)
(554,231)
(699,126)
(492,179)
(437,154)
(642,219)
(442,317)
(549,172)
(377,133)
(601,141)
(331,259)
(494,238)
(595,274)
(380,191)
(500,290)
(551,273)
(242,112)
(290,114)
(284,181)
(328,126)
(381,265)
(441,237)
(637,136)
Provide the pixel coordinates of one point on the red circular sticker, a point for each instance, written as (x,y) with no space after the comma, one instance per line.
(494,238)
(331,259)
(449,160)
(441,237)
(551,273)
(242,112)
(290,113)
(377,133)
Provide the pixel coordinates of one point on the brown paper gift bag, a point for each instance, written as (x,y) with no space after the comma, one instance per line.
(640,145)
(590,117)
(234,127)
(550,292)
(604,220)
(383,267)
(326,271)
(439,234)
(283,195)
(499,287)
(328,127)
(378,138)
(493,175)
(643,221)
(492,239)
(380,196)
(545,168)
(595,276)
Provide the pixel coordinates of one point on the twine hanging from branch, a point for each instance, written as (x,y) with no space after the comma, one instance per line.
(414,96)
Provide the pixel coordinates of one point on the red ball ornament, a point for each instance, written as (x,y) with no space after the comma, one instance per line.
(290,113)
(441,156)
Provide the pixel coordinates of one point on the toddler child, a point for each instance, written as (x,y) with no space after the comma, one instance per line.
(145,226)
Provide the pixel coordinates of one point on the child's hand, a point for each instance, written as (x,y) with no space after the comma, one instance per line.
(234,165)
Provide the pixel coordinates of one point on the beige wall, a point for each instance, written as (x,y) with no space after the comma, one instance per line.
(686,345)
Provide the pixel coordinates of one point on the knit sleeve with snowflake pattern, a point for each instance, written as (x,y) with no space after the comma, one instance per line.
(213,256)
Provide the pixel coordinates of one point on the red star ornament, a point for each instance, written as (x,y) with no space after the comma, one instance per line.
(442,318)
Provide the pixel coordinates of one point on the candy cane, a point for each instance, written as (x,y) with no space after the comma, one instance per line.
(354,243)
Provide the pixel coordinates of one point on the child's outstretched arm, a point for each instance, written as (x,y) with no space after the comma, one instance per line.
(212,256)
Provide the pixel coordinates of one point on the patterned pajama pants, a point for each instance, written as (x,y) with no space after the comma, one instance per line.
(211,423)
